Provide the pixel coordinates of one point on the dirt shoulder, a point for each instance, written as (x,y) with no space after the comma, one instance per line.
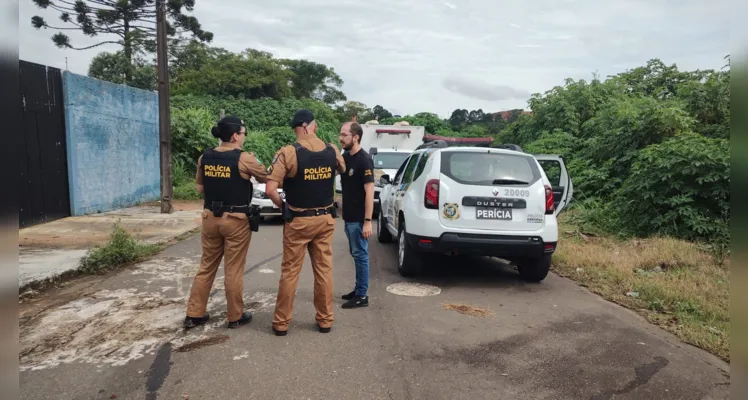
(672,283)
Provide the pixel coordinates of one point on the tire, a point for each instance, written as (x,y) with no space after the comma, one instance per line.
(383,235)
(535,270)
(409,260)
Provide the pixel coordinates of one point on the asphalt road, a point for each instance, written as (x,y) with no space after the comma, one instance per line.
(120,337)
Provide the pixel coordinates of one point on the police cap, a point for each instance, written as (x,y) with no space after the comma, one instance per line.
(302,117)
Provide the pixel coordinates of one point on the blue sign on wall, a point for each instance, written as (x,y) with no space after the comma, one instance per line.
(112,143)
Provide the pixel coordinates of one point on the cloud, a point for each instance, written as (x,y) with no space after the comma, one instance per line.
(397,54)
(481,90)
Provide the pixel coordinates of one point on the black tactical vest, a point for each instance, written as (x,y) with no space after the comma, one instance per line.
(312,187)
(221,179)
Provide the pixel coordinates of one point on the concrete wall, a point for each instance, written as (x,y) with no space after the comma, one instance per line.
(112,143)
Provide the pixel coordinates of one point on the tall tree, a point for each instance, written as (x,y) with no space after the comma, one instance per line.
(113,67)
(381,112)
(133,22)
(313,80)
(459,118)
(247,75)
(476,116)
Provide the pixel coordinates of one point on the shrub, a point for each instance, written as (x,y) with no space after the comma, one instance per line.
(680,187)
(121,249)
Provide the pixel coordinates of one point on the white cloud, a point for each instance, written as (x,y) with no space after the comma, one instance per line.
(413,56)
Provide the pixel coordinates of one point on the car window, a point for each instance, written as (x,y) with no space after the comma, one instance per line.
(389,160)
(421,164)
(399,174)
(552,170)
(472,168)
(408,174)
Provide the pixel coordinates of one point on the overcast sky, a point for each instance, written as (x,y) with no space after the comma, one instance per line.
(436,55)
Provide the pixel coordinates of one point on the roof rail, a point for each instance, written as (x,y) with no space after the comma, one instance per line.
(509,146)
(437,144)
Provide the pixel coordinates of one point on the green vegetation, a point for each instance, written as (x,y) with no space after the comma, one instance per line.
(121,249)
(648,150)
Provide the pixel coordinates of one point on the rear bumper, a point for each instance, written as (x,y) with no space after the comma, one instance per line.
(502,246)
(267,208)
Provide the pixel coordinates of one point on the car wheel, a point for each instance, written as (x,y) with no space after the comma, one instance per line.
(383,234)
(536,269)
(409,260)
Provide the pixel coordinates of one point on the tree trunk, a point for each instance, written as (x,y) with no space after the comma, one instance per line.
(128,53)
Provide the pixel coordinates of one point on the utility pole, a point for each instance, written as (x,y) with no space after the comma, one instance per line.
(164,125)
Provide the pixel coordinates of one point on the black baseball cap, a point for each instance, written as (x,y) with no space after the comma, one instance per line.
(302,117)
(231,120)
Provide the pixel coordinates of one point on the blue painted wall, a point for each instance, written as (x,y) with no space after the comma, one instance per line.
(112,143)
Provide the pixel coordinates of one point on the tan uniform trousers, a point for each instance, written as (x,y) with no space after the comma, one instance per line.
(227,237)
(314,233)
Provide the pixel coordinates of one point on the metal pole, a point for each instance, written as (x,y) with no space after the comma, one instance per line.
(163,109)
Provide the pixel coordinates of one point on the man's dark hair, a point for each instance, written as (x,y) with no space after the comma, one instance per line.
(356,130)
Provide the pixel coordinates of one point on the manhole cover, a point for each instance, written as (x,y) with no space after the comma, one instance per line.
(413,289)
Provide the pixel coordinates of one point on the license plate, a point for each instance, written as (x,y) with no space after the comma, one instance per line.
(502,214)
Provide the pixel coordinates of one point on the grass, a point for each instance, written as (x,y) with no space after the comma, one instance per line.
(672,283)
(121,249)
(184,183)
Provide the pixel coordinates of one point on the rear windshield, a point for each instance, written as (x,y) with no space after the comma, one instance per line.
(471,168)
(389,160)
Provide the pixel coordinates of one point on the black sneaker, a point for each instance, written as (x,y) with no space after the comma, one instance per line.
(349,295)
(191,322)
(356,302)
(244,319)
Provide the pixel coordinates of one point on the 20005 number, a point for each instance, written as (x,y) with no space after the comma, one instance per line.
(516,192)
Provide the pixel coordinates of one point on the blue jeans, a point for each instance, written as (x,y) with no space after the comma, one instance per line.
(359,248)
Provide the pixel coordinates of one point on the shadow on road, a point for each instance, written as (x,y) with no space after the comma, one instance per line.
(455,271)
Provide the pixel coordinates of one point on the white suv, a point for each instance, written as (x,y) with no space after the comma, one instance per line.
(475,201)
(259,198)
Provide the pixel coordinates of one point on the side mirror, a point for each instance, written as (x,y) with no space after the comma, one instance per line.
(384,179)
(373,151)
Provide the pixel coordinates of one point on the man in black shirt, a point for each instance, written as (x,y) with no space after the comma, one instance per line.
(358,205)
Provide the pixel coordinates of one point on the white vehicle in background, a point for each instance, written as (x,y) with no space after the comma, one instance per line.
(389,146)
(259,198)
(475,201)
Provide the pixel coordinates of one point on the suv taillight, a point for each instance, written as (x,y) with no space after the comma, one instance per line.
(431,198)
(548,200)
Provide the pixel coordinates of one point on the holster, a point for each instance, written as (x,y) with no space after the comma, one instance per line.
(287,214)
(217,208)
(334,212)
(254,217)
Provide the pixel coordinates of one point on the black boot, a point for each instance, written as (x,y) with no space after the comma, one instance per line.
(244,319)
(191,322)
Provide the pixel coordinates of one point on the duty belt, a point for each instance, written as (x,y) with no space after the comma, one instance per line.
(216,207)
(312,213)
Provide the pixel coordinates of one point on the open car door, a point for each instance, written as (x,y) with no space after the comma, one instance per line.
(555,169)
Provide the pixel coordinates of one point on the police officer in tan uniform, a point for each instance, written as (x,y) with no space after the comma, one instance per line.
(307,172)
(223,176)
